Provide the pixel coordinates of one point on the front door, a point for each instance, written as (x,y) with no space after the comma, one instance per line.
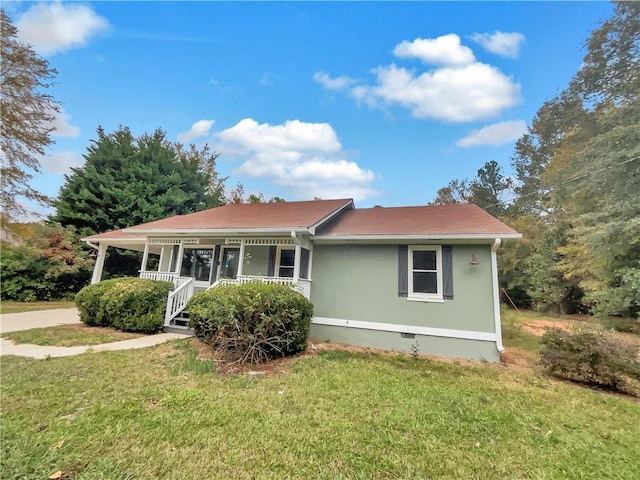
(229,262)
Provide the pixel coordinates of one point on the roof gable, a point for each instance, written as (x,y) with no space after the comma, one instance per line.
(251,216)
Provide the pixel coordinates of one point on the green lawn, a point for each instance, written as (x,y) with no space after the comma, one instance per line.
(7,306)
(69,335)
(162,413)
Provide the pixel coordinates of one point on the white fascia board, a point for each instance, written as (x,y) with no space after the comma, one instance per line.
(481,238)
(90,241)
(396,328)
(218,231)
(312,228)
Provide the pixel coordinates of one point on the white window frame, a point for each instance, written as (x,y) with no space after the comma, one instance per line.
(279,255)
(420,296)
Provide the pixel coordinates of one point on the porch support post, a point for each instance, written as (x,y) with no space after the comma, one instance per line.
(241,259)
(97,269)
(296,263)
(145,257)
(179,259)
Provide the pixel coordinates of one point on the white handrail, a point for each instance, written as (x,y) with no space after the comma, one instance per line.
(162,276)
(178,298)
(302,286)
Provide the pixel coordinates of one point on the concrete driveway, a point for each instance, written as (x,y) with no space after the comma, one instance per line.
(14,322)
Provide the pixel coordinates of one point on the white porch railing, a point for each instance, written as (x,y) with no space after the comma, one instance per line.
(301,285)
(178,298)
(162,276)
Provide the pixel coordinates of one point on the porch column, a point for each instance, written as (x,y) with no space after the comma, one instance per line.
(145,257)
(97,269)
(296,263)
(241,259)
(179,259)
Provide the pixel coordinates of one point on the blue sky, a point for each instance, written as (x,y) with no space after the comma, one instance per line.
(382,102)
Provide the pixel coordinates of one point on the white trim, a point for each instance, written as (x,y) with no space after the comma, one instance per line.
(179,259)
(145,257)
(241,258)
(215,232)
(296,263)
(97,268)
(392,327)
(406,238)
(496,294)
(420,296)
(279,250)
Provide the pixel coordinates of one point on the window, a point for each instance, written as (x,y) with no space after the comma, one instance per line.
(286,261)
(425,273)
(196,263)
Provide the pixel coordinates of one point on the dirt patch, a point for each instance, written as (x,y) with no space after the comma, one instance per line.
(539,327)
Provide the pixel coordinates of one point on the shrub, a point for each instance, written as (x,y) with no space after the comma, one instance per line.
(621,324)
(254,322)
(49,264)
(592,357)
(128,304)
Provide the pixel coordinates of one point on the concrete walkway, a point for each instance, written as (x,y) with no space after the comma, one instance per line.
(50,318)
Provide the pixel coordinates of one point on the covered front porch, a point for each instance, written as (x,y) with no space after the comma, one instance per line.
(194,264)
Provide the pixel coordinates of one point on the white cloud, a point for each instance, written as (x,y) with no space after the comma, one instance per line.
(495,134)
(54,27)
(304,157)
(444,50)
(454,94)
(506,44)
(201,128)
(61,163)
(61,126)
(457,88)
(337,83)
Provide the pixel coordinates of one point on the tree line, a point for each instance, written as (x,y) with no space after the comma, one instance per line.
(575,195)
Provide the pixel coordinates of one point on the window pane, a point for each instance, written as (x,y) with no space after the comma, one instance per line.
(425,282)
(287,258)
(424,260)
(285,272)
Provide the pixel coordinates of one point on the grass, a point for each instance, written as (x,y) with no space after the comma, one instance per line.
(69,335)
(7,306)
(163,413)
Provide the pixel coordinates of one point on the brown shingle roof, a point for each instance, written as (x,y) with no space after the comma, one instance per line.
(284,215)
(435,220)
(119,234)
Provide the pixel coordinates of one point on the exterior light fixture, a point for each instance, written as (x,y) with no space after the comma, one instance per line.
(474,261)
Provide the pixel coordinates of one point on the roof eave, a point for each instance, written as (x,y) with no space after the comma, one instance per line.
(218,231)
(488,237)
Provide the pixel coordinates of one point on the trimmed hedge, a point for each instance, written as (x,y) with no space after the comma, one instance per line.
(128,304)
(252,323)
(592,357)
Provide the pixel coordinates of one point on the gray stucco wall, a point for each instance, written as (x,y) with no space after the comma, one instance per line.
(360,282)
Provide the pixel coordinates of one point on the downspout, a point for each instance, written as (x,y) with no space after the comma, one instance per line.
(496,293)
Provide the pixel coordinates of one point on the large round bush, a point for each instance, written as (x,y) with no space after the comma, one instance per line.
(253,322)
(129,304)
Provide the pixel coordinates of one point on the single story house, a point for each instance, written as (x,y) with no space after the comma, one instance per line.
(419,278)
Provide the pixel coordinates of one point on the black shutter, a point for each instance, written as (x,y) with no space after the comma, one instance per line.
(403,270)
(447,272)
(304,263)
(271,268)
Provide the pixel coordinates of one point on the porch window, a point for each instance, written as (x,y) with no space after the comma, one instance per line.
(425,273)
(196,263)
(286,261)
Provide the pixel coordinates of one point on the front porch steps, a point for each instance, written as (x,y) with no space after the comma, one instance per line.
(178,329)
(179,324)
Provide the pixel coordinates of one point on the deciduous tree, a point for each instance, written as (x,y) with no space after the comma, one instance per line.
(27,113)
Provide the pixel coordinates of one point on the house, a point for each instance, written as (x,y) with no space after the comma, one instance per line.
(408,278)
